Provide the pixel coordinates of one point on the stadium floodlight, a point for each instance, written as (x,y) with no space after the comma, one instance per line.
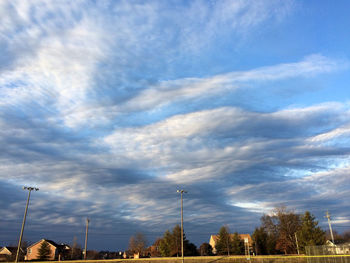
(30,189)
(182,224)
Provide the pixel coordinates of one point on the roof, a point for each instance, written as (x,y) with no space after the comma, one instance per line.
(47,240)
(10,249)
(330,243)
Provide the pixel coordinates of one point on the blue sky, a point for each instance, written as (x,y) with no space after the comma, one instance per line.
(109,107)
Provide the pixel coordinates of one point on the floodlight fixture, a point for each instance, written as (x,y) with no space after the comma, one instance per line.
(29,188)
(182,224)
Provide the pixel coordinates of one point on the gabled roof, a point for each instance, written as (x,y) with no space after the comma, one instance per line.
(47,240)
(60,247)
(4,249)
(9,249)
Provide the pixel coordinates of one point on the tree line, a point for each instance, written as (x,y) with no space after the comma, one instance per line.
(281,232)
(285,231)
(167,246)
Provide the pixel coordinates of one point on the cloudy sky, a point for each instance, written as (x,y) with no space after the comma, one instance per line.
(109,107)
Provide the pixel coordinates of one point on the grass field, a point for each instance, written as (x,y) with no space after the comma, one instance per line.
(225,259)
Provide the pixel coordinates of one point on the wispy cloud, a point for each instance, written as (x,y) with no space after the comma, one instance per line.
(222,146)
(96,108)
(170,91)
(67,58)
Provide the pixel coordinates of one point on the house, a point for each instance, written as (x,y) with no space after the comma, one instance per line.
(337,249)
(57,252)
(8,253)
(246,238)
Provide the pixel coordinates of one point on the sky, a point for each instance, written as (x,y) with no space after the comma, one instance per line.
(109,107)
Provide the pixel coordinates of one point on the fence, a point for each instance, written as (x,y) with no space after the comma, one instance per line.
(328,254)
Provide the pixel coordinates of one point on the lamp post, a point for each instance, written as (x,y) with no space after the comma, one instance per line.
(30,189)
(182,225)
(86,237)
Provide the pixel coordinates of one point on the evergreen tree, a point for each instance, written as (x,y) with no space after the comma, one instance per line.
(260,239)
(166,244)
(237,246)
(206,249)
(270,225)
(190,249)
(170,244)
(310,234)
(224,245)
(176,250)
(44,251)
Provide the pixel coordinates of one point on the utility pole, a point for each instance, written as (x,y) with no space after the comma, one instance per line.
(86,237)
(328,216)
(182,225)
(24,219)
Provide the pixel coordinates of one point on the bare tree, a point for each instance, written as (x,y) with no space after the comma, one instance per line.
(281,227)
(137,244)
(289,224)
(75,249)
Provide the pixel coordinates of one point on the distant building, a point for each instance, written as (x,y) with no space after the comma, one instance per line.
(246,238)
(110,254)
(338,249)
(57,252)
(8,253)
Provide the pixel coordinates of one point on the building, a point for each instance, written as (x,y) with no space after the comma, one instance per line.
(57,252)
(8,253)
(337,249)
(246,238)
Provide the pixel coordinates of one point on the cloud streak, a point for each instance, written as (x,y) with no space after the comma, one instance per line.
(106,107)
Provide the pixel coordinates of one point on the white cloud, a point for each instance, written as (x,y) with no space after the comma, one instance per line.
(83,63)
(311,192)
(257,207)
(340,220)
(333,134)
(57,50)
(210,144)
(170,91)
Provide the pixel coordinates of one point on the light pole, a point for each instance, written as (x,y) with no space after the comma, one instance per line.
(182,225)
(86,237)
(24,219)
